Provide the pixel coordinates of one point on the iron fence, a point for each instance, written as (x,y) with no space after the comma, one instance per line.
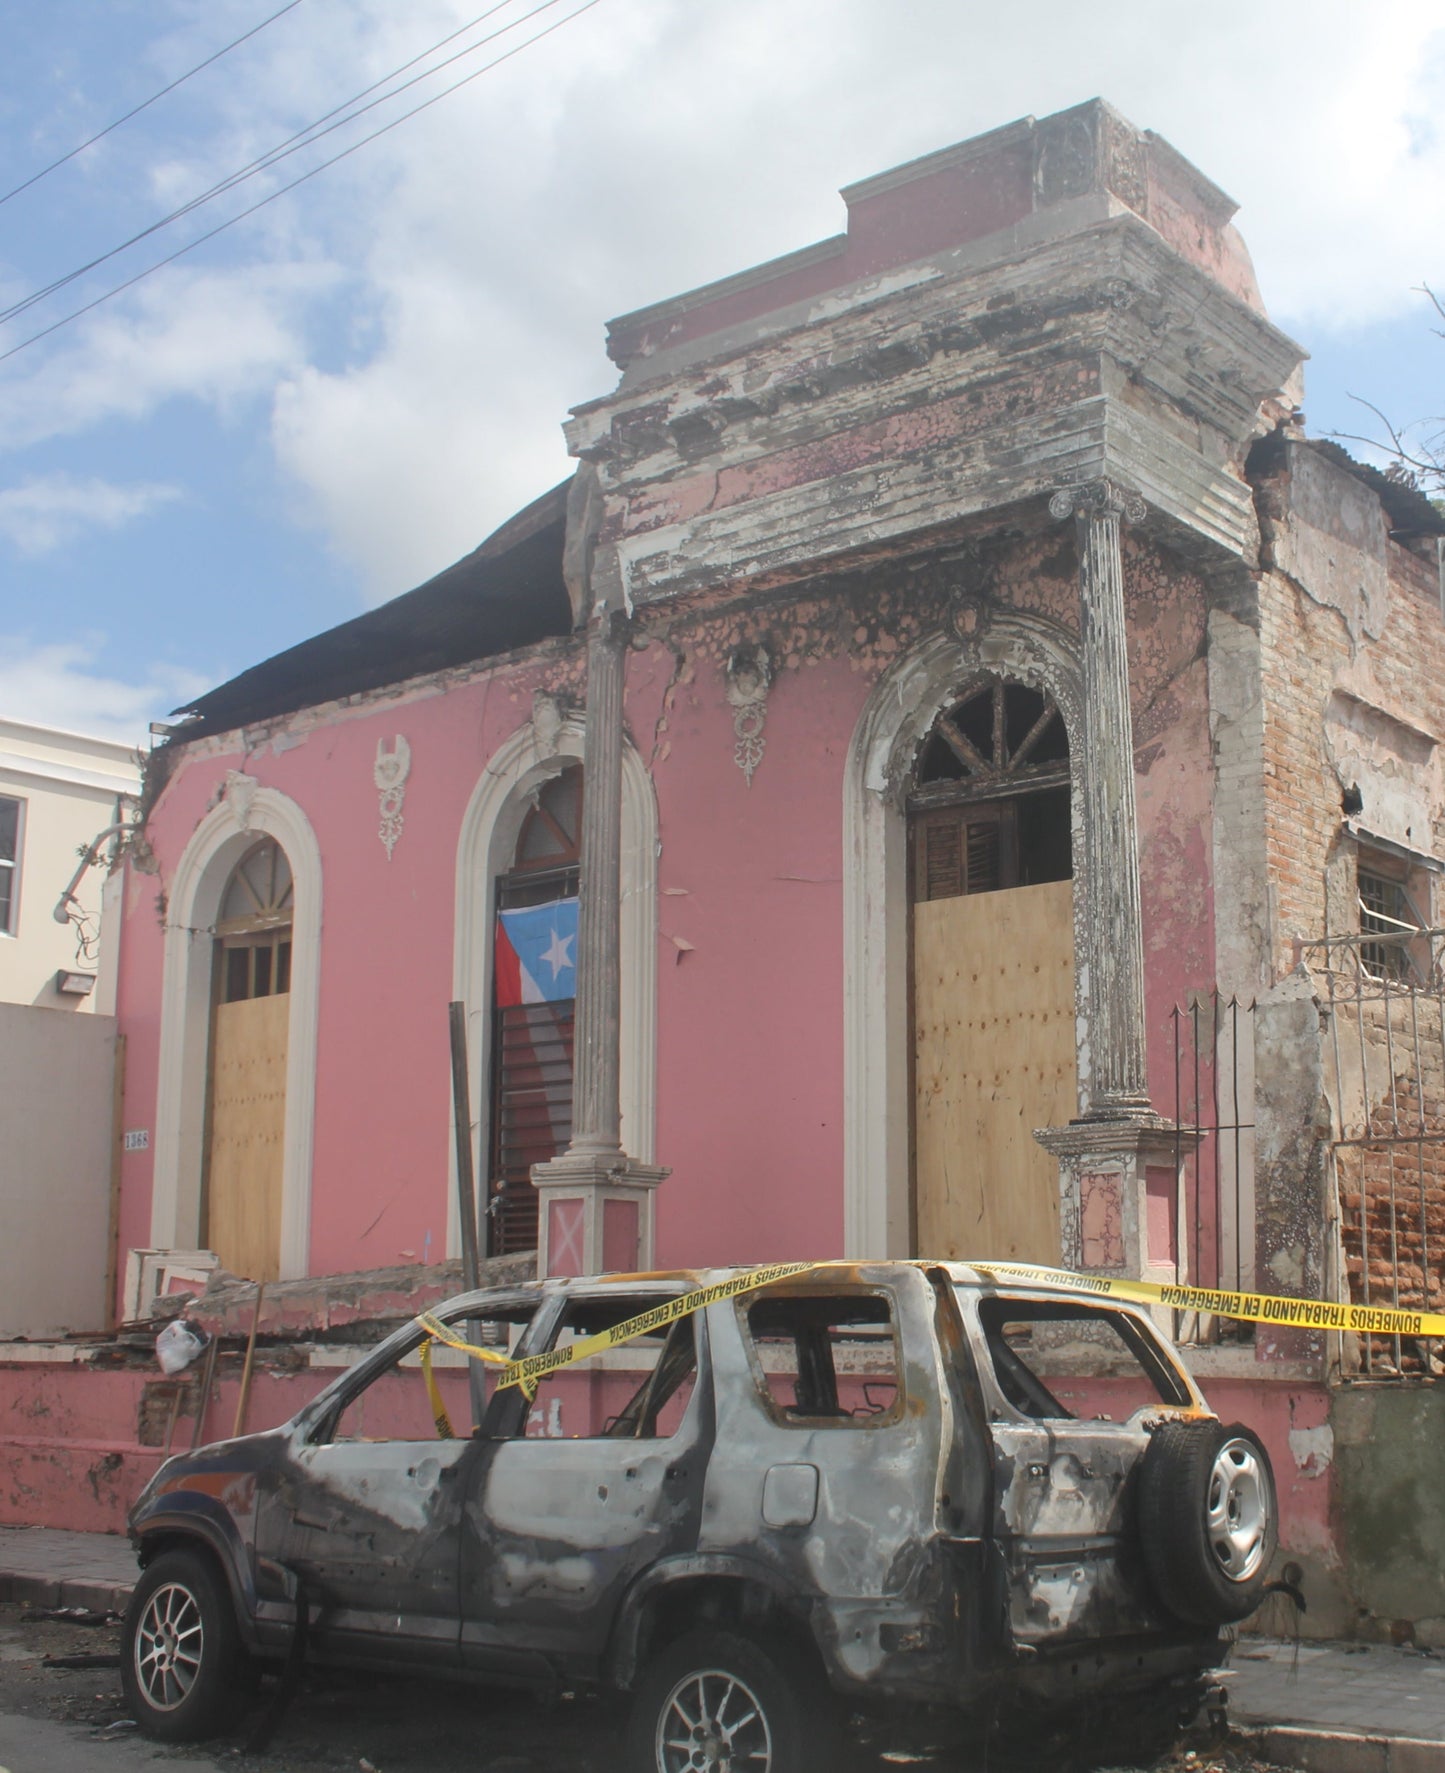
(1383,994)
(1213,1065)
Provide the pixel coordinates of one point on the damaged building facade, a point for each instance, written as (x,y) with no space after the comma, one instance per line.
(999,752)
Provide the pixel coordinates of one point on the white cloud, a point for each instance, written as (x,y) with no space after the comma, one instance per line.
(46,510)
(217,337)
(416,321)
(58,684)
(649,148)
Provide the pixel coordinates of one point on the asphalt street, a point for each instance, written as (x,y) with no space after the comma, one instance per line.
(57,1718)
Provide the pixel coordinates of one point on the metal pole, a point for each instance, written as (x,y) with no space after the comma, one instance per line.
(462,1122)
(466,1189)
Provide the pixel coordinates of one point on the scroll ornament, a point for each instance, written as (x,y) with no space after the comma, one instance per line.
(390,772)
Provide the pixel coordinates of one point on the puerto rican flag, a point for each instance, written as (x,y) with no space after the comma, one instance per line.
(536,953)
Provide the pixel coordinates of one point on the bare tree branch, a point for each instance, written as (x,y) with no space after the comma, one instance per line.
(1416,450)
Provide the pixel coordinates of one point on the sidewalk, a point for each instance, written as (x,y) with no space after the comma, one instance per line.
(1325,1708)
(1340,1708)
(49,1567)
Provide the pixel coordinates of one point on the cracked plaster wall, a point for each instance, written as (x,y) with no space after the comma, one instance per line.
(382,1129)
(1352,662)
(750,891)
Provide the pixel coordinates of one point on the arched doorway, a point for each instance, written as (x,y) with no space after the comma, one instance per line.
(241,1192)
(534,974)
(992,972)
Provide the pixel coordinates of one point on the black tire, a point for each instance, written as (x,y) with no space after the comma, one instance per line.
(717,1700)
(1208,1520)
(183,1669)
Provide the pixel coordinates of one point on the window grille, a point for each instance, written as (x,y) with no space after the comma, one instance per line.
(1389,924)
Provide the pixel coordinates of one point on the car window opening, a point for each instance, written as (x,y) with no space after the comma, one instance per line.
(393,1405)
(638,1390)
(1062,1361)
(825,1360)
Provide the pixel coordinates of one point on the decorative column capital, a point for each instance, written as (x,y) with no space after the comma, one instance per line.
(612,627)
(1098,498)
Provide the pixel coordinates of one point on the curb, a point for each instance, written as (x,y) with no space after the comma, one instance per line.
(75,1591)
(1341,1751)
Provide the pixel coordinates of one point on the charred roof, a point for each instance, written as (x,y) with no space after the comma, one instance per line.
(1408,511)
(507,593)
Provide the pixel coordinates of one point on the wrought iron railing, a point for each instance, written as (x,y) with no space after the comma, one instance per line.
(1383,992)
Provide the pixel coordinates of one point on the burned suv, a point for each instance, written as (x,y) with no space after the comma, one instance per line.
(861,1487)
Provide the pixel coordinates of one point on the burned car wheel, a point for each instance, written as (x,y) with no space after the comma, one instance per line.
(182,1666)
(1208,1520)
(718,1703)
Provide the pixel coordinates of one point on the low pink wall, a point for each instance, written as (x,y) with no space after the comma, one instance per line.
(68,1441)
(1293,1421)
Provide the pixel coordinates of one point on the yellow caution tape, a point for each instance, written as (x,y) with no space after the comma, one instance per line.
(531,1368)
(1256,1308)
(434,1393)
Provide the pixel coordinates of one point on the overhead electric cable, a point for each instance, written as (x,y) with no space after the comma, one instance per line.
(303,138)
(221,228)
(145,105)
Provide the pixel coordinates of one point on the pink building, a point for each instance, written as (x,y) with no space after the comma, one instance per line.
(971,708)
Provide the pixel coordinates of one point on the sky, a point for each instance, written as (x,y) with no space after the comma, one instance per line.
(347,390)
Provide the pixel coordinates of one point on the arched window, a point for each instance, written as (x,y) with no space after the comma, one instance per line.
(534,973)
(254,926)
(992,938)
(241,1197)
(990,795)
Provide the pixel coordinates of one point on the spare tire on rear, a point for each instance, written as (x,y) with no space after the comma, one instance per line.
(1208,1520)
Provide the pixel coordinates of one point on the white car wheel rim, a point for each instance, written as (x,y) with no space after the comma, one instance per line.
(713,1723)
(169,1644)
(1237,1510)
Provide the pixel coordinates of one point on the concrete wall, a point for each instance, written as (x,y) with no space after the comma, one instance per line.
(1390,1507)
(56,1094)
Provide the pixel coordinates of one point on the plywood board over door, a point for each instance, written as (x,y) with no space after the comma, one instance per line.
(994,1057)
(248,1125)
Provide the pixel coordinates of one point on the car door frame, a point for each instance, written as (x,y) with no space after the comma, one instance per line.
(379,1594)
(637,1503)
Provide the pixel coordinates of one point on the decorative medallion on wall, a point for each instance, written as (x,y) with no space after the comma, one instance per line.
(390,772)
(968,614)
(749,678)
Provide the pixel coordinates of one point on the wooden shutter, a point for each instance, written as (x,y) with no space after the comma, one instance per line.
(531,1114)
(962,850)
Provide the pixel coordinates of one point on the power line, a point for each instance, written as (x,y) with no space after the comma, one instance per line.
(313,132)
(221,228)
(45,171)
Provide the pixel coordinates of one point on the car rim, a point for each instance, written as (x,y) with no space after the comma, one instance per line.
(169,1643)
(1237,1515)
(712,1723)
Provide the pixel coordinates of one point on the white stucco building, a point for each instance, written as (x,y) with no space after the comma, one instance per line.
(58,792)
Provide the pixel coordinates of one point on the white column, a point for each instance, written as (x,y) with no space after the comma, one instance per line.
(1119,1085)
(595,1203)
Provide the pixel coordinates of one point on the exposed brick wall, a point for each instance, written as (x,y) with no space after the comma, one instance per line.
(1392,1188)
(1308,652)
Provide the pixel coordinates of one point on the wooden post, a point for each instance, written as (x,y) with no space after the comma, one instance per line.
(245,1396)
(208,1373)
